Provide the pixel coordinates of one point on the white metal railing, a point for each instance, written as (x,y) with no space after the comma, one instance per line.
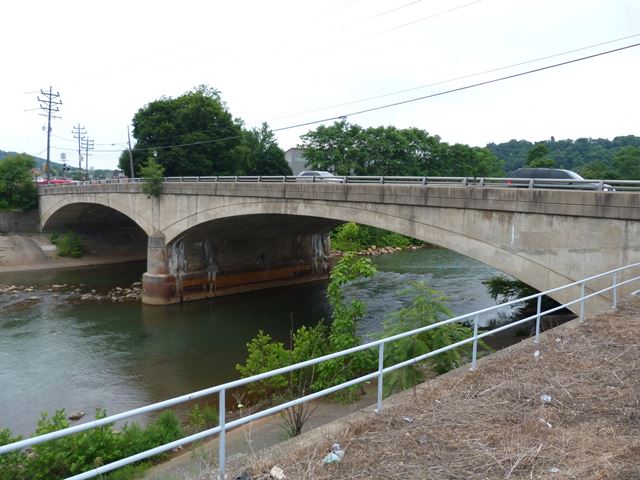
(615,282)
(493,182)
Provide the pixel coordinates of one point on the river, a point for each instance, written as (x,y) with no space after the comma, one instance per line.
(59,352)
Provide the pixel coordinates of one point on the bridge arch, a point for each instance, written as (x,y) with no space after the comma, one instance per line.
(543,237)
(441,227)
(76,208)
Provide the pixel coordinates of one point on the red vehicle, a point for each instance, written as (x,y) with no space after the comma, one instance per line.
(55,181)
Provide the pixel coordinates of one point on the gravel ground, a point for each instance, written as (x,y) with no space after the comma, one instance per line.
(569,411)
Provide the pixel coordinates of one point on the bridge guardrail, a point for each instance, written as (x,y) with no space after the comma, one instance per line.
(616,280)
(489,182)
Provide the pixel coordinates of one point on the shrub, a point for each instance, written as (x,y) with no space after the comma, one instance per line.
(352,237)
(152,173)
(69,245)
(86,450)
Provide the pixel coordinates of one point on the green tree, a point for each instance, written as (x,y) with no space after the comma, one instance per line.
(199,121)
(17,188)
(335,148)
(152,174)
(259,154)
(427,307)
(538,157)
(465,161)
(626,163)
(597,169)
(343,332)
(265,354)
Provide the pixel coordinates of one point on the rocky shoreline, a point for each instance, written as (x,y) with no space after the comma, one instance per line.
(133,293)
(374,250)
(74,292)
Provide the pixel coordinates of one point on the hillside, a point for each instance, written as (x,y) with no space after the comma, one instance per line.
(39,161)
(569,154)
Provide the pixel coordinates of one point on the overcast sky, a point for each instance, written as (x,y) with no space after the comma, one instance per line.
(290,62)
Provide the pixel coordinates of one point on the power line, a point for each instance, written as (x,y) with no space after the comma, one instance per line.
(420,87)
(394,104)
(495,80)
(463,77)
(398,27)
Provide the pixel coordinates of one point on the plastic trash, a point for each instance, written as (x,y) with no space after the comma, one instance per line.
(335,455)
(277,473)
(544,398)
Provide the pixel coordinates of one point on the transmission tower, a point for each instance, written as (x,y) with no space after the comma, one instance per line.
(79,133)
(87,144)
(49,104)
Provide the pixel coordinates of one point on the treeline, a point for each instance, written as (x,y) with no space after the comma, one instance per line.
(349,149)
(592,158)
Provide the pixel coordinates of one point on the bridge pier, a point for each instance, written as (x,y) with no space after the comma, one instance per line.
(158,285)
(194,267)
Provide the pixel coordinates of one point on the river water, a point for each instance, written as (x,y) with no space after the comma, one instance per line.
(59,352)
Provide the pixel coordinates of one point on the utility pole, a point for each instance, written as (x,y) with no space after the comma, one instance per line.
(49,104)
(87,144)
(133,175)
(79,133)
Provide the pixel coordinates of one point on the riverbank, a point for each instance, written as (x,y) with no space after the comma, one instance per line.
(564,408)
(21,252)
(34,251)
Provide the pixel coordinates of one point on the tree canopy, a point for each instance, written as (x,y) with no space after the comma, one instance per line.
(17,188)
(195,134)
(349,149)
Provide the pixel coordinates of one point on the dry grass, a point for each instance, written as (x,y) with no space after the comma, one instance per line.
(492,423)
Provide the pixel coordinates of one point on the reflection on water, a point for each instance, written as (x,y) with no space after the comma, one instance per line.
(58,352)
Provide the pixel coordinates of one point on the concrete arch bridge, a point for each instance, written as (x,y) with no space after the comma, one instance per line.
(207,239)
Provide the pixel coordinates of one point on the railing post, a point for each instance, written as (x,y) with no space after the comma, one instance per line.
(538,310)
(380,376)
(474,354)
(615,289)
(221,443)
(581,303)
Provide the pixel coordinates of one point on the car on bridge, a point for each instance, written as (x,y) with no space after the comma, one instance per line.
(553,178)
(318,176)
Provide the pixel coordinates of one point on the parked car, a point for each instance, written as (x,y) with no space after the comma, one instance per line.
(571,179)
(318,176)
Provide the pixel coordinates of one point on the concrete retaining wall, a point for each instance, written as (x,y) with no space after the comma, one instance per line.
(20,222)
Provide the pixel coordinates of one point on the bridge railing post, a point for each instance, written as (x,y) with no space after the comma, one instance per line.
(474,354)
(581,318)
(538,310)
(380,376)
(614,285)
(221,444)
